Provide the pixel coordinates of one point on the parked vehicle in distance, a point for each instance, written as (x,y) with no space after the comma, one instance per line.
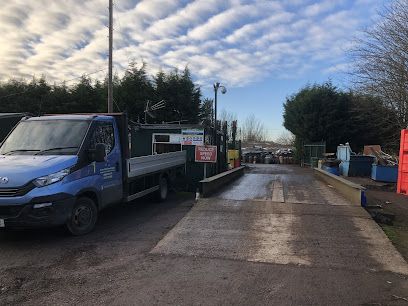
(64,169)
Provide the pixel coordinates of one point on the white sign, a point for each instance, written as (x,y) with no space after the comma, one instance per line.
(2,223)
(175,138)
(192,137)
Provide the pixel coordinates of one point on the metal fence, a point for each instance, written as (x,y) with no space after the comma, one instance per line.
(312,152)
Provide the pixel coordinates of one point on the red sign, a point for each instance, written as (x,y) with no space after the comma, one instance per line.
(206,154)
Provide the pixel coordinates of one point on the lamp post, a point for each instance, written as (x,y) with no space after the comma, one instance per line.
(223,91)
(217,86)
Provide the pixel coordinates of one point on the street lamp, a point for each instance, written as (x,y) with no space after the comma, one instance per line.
(217,86)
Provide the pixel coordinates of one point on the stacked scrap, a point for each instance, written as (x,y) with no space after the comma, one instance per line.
(382,158)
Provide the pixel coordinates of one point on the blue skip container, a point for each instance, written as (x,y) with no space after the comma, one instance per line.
(387,174)
(333,170)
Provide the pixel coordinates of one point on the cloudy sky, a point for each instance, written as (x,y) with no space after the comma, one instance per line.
(261,50)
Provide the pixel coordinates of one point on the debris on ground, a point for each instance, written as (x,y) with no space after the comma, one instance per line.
(399,298)
(381,217)
(377,206)
(398,208)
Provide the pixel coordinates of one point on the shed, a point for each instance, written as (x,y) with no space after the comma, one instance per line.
(150,139)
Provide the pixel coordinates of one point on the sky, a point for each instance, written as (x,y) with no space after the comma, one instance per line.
(262,51)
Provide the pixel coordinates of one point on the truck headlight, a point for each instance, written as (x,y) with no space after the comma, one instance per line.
(51,178)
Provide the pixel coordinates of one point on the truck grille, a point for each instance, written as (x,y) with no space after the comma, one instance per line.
(16,192)
(9,211)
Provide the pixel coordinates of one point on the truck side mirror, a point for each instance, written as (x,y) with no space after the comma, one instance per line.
(100,152)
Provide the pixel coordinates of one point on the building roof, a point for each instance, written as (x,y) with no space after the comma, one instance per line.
(167,126)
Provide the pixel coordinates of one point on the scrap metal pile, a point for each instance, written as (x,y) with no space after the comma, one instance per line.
(260,155)
(381,158)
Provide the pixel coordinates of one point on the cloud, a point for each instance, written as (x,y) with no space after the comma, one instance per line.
(321,7)
(192,14)
(338,68)
(224,21)
(247,31)
(234,41)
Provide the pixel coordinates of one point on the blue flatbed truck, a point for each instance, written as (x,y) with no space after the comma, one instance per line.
(64,169)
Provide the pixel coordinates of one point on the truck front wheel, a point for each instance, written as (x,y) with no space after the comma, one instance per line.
(83,217)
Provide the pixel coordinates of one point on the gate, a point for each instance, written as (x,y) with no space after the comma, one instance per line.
(312,152)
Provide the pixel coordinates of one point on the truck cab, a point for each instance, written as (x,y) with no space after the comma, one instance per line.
(64,169)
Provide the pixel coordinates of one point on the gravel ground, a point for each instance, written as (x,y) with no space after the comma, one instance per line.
(397,205)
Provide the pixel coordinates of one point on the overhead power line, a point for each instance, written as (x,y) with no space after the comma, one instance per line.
(110,74)
(121,31)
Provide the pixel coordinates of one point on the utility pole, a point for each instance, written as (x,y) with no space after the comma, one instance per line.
(216,86)
(110,81)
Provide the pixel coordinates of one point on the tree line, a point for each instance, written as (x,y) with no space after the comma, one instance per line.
(182,98)
(324,113)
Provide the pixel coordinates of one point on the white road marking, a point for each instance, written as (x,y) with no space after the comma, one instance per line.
(277,192)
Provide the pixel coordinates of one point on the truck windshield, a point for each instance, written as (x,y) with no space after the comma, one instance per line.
(45,137)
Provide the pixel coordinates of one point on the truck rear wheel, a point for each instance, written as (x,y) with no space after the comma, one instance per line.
(83,217)
(161,194)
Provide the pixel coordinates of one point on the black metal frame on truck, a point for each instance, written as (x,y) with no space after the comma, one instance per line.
(146,174)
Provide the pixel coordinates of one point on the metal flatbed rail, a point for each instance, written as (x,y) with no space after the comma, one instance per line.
(143,165)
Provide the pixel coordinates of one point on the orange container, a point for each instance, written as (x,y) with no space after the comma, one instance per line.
(402,184)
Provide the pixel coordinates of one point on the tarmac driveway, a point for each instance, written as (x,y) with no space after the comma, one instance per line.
(281,214)
(275,237)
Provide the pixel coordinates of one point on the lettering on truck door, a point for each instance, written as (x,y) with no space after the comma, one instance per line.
(109,170)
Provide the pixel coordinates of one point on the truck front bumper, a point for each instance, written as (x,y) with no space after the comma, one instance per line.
(40,212)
